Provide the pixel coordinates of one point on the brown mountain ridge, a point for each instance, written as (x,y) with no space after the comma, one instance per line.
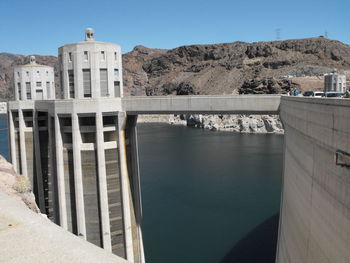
(230,68)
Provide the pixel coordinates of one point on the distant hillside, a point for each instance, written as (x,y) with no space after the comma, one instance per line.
(232,68)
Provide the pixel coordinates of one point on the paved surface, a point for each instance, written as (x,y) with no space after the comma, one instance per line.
(29,237)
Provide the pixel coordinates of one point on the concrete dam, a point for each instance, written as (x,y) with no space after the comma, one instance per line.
(80,153)
(315,208)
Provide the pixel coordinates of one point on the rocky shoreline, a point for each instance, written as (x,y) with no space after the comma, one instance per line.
(16,186)
(232,123)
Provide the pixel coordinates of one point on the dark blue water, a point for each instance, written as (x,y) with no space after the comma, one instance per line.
(209,197)
(4,147)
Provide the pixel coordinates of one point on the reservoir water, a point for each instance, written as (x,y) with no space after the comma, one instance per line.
(208,197)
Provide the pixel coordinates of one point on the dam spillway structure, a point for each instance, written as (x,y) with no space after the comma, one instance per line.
(83,153)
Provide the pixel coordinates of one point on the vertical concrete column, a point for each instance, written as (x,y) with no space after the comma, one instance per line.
(23,85)
(78,73)
(110,73)
(15,80)
(78,178)
(64,77)
(60,175)
(22,142)
(121,75)
(95,74)
(102,181)
(43,84)
(37,157)
(12,140)
(33,83)
(135,172)
(52,181)
(125,187)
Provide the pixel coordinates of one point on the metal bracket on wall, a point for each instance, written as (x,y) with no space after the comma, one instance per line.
(342,158)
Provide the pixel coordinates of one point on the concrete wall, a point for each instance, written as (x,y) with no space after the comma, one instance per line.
(213,104)
(315,208)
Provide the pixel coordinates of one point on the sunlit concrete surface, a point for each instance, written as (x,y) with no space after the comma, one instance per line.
(210,104)
(29,237)
(315,209)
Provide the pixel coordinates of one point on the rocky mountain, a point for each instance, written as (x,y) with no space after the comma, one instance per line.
(231,68)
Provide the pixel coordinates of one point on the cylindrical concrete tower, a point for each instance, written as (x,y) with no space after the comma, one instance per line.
(34,81)
(90,69)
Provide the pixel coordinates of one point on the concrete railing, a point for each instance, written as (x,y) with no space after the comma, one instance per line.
(315,208)
(211,104)
(29,237)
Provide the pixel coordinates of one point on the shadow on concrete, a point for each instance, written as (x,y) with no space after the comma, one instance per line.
(258,246)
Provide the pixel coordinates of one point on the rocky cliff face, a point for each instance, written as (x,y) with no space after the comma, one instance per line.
(237,123)
(16,186)
(231,123)
(258,68)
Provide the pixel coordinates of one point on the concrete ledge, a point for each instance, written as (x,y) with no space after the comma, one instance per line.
(211,104)
(29,237)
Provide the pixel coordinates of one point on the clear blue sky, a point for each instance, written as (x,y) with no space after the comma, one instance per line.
(41,26)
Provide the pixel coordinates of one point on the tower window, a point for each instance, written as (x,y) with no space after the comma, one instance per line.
(87,83)
(115,56)
(48,89)
(116,88)
(28,90)
(116,73)
(18,74)
(86,55)
(103,82)
(70,56)
(38,84)
(39,94)
(71,83)
(103,55)
(19,90)
(27,73)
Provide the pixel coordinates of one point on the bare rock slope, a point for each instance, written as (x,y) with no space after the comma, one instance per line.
(232,68)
